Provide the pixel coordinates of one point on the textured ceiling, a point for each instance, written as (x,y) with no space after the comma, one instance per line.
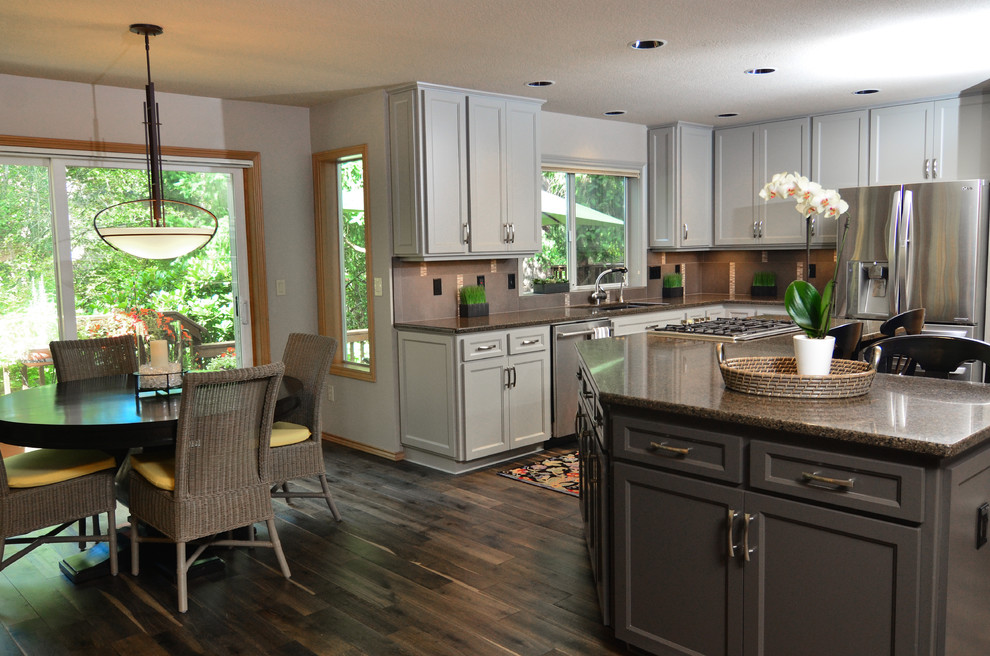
(307,52)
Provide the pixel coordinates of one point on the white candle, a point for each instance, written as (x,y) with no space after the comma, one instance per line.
(159,353)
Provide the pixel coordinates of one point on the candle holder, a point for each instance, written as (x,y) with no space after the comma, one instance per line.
(161,380)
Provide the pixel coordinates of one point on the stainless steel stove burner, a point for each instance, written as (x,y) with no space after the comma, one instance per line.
(729,329)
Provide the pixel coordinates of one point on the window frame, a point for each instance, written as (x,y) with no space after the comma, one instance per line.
(253,232)
(329,260)
(636,223)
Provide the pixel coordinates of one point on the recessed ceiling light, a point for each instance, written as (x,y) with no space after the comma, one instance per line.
(541,83)
(647,44)
(614,112)
(866,92)
(727,115)
(760,71)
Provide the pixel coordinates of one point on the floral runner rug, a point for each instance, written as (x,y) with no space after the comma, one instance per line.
(560,473)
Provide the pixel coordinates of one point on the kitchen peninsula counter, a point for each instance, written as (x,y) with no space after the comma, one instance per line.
(565,314)
(719,522)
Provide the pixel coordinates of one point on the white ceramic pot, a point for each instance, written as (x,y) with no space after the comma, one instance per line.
(814,356)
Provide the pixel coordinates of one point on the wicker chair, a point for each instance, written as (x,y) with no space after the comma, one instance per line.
(217,479)
(297,449)
(76,359)
(42,488)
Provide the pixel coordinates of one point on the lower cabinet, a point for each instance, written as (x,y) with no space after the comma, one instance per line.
(468,397)
(705,568)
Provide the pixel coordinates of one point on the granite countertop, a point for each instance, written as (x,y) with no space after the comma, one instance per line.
(911,414)
(535,317)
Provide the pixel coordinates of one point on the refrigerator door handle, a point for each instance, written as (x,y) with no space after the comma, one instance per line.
(904,255)
(895,213)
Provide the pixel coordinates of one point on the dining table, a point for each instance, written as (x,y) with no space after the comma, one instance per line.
(110,414)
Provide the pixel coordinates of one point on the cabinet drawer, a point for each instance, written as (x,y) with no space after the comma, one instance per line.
(483,345)
(528,341)
(678,448)
(891,489)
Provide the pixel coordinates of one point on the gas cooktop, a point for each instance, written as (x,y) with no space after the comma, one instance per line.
(729,329)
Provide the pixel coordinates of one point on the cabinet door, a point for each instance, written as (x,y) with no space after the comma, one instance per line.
(823,582)
(529,399)
(486,148)
(484,406)
(785,146)
(677,589)
(963,137)
(735,187)
(661,190)
(523,177)
(427,393)
(901,140)
(694,186)
(840,150)
(445,174)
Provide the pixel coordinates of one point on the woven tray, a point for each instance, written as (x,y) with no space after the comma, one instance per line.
(779,377)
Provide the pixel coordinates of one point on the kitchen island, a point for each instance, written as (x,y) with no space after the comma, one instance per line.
(725,523)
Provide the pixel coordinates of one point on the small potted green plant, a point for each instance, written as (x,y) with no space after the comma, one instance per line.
(550,285)
(764,284)
(673,285)
(474,302)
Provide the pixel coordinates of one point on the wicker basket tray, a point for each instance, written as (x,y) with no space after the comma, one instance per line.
(779,377)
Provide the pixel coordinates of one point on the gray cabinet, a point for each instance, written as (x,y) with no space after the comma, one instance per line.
(746,158)
(680,186)
(706,562)
(464,170)
(840,149)
(463,399)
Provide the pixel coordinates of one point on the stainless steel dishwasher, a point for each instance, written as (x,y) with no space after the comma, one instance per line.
(565,369)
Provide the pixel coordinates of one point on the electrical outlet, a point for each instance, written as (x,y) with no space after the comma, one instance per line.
(512,281)
(481,281)
(330,393)
(811,271)
(437,287)
(677,268)
(655,273)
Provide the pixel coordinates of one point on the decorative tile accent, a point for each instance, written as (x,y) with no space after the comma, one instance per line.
(732,280)
(763,256)
(422,270)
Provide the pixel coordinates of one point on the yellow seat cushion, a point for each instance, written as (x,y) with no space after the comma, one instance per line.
(285,433)
(156,468)
(47,466)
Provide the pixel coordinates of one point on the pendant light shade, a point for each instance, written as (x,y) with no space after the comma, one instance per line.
(140,227)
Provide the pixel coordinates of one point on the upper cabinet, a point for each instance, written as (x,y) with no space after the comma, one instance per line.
(840,151)
(746,158)
(936,140)
(465,173)
(680,192)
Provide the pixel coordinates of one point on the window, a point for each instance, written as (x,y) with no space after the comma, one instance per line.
(343,230)
(590,219)
(59,281)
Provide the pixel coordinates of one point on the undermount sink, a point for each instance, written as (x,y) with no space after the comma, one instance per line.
(631,305)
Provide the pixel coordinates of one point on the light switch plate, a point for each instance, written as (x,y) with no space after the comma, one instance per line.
(378,286)
(280,288)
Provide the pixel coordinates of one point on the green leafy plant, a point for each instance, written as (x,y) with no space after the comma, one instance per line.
(548,281)
(764,279)
(473,295)
(672,280)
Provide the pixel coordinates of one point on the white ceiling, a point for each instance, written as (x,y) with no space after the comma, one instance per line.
(307,52)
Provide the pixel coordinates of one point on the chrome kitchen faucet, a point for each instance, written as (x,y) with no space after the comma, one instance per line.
(598,295)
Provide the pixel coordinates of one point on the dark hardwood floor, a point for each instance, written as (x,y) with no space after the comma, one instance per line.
(424,563)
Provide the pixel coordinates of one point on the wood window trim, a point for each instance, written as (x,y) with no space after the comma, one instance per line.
(253,216)
(328,283)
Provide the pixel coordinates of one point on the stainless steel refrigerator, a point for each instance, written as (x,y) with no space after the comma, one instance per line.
(917,245)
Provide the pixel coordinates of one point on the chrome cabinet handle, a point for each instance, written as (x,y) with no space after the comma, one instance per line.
(490,347)
(812,226)
(672,450)
(530,342)
(513,376)
(761,227)
(512,233)
(838,483)
(928,169)
(755,228)
(729,525)
(934,168)
(467,233)
(685,230)
(747,521)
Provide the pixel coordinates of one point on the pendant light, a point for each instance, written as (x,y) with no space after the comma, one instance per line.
(139,227)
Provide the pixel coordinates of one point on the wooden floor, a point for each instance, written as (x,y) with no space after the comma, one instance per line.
(423,563)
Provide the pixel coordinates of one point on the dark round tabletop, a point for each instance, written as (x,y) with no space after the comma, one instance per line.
(101,413)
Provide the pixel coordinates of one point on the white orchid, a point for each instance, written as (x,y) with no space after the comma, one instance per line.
(811,198)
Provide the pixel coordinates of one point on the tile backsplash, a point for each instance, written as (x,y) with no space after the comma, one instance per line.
(710,272)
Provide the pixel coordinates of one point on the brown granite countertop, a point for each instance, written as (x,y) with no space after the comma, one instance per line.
(911,414)
(522,318)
